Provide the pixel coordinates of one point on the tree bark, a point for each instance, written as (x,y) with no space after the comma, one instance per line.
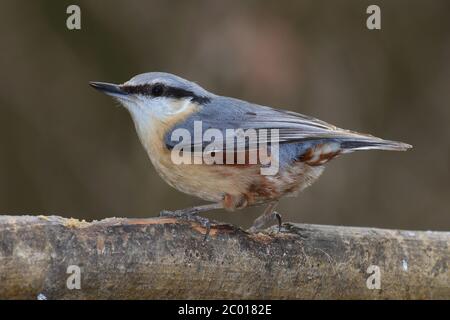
(166,258)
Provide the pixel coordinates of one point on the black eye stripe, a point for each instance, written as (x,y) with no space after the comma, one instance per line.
(160,90)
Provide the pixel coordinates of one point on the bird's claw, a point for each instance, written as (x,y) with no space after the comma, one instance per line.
(191,216)
(279,220)
(259,223)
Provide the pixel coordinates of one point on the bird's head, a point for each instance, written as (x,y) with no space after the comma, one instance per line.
(156,96)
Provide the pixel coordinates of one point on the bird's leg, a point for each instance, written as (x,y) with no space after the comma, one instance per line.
(268,215)
(192,214)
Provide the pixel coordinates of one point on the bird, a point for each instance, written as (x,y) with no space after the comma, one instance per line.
(161,104)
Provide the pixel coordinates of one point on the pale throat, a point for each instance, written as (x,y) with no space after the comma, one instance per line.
(154,119)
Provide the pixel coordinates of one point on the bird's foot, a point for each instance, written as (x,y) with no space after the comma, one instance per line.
(264,219)
(191,215)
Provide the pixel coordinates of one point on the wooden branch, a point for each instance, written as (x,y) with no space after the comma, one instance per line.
(165,258)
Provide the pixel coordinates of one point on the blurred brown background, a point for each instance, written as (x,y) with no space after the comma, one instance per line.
(68,150)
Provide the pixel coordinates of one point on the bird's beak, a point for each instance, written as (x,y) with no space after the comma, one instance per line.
(109,88)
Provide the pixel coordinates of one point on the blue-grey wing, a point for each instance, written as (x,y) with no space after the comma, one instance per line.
(222,113)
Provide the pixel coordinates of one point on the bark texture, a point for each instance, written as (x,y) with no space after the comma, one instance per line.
(166,258)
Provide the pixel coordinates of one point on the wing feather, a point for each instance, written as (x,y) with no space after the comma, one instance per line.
(224,113)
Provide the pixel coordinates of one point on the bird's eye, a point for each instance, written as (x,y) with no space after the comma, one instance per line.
(157,90)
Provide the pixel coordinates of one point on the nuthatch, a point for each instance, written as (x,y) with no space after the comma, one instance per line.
(161,103)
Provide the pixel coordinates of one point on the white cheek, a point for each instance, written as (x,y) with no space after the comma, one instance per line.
(178,107)
(166,108)
(148,111)
(158,107)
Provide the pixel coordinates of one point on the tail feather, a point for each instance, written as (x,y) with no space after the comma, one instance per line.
(373,144)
